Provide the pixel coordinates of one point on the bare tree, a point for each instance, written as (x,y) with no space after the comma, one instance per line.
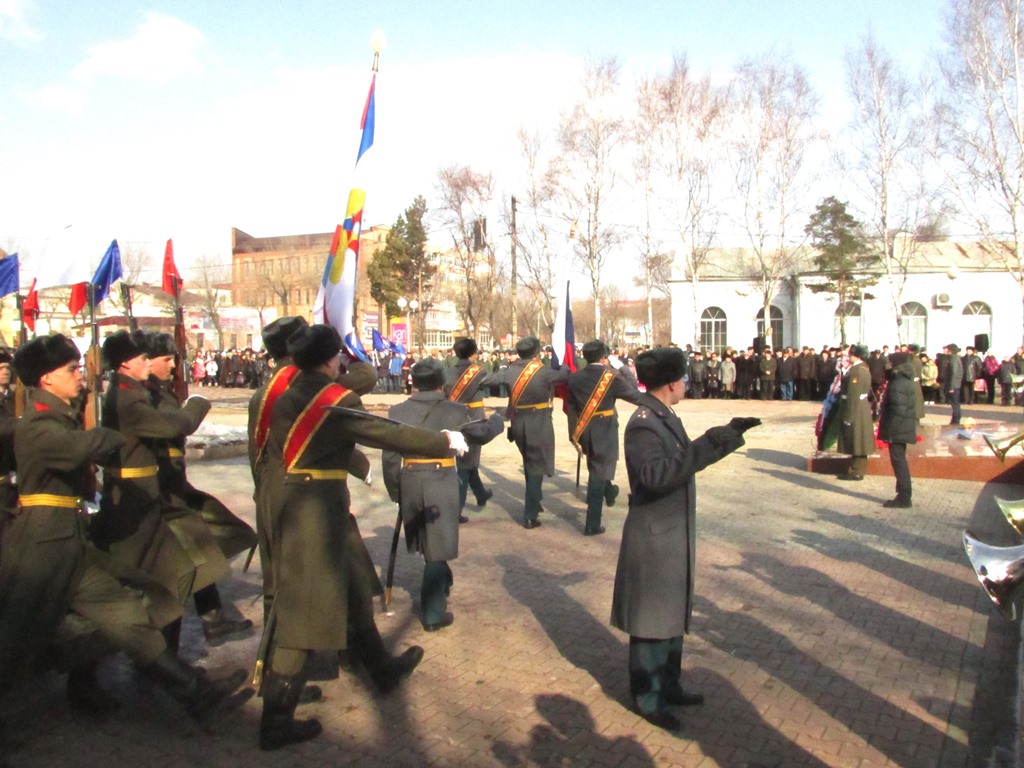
(206,282)
(773,111)
(590,138)
(981,122)
(465,197)
(536,241)
(679,117)
(886,144)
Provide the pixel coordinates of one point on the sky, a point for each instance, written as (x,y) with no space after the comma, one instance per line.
(144,121)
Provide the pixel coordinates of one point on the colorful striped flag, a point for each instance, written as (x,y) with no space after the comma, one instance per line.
(335,299)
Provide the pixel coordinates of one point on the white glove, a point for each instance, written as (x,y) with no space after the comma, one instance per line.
(368,479)
(456,441)
(614,362)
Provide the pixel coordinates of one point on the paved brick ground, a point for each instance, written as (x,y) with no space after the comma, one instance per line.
(829,632)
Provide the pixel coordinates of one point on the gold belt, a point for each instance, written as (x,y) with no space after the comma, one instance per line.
(321,474)
(533,407)
(439,462)
(475,404)
(609,412)
(49,500)
(176,453)
(132,472)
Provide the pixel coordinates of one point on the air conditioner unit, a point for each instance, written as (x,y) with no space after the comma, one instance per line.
(941,300)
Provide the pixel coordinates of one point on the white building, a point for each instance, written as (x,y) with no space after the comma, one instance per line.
(952,293)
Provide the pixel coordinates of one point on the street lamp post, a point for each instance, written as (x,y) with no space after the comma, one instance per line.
(409,307)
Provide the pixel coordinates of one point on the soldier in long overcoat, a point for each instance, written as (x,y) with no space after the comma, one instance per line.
(856,431)
(594,425)
(217,533)
(53,583)
(130,524)
(653,596)
(530,384)
(465,382)
(427,487)
(318,601)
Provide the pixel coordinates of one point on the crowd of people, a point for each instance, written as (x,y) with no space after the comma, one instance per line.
(156,543)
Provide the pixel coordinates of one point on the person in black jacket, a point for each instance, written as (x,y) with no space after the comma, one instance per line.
(898,424)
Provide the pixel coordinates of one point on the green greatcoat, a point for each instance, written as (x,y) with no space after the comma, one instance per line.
(857,432)
(317,550)
(46,550)
(207,516)
(130,524)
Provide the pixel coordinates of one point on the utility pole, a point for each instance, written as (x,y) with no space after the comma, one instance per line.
(515,313)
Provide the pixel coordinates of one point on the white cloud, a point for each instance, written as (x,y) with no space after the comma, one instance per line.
(162,49)
(14,25)
(58,98)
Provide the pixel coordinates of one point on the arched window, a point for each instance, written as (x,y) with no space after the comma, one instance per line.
(977,321)
(914,319)
(852,311)
(776,341)
(712,329)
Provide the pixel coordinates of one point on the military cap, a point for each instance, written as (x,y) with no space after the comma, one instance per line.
(428,375)
(159,344)
(660,366)
(275,335)
(464,348)
(313,345)
(594,350)
(528,347)
(120,347)
(42,355)
(859,350)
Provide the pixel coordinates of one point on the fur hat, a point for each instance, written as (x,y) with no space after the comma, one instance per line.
(428,375)
(160,344)
(899,358)
(528,347)
(313,345)
(660,366)
(594,350)
(859,350)
(5,356)
(275,335)
(953,349)
(464,348)
(120,347)
(42,355)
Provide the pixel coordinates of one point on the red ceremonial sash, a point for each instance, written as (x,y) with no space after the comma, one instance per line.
(592,403)
(277,387)
(309,421)
(464,381)
(524,378)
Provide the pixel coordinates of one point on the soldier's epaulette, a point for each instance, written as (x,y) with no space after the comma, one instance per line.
(41,406)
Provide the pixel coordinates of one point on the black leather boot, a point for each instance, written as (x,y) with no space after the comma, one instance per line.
(218,628)
(85,694)
(278,726)
(389,675)
(197,692)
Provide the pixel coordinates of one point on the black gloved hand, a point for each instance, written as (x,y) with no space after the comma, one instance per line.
(742,424)
(724,437)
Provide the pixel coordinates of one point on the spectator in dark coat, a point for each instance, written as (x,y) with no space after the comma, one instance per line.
(898,424)
(953,380)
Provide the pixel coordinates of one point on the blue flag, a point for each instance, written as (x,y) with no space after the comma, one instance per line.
(379,345)
(108,272)
(9,280)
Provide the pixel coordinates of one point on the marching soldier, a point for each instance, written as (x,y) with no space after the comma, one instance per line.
(130,524)
(428,489)
(319,598)
(856,432)
(530,384)
(8,421)
(465,382)
(594,426)
(217,533)
(53,582)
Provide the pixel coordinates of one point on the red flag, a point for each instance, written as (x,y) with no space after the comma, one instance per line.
(171,280)
(30,307)
(79,295)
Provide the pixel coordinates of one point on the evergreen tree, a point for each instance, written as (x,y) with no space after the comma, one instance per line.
(403,268)
(844,257)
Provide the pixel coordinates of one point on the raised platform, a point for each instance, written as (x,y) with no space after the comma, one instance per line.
(947,452)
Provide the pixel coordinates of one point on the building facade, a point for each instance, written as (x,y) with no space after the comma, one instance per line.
(950,292)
